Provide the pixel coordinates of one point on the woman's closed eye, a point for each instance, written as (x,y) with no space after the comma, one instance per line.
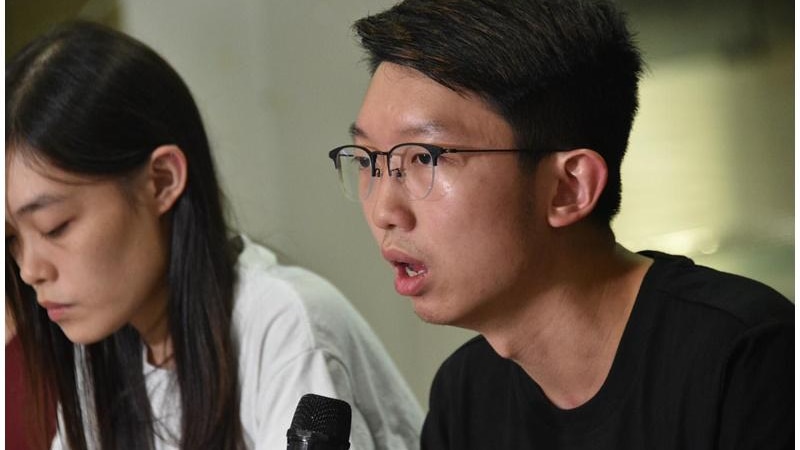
(56,231)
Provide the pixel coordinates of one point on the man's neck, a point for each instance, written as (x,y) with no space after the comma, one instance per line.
(566,338)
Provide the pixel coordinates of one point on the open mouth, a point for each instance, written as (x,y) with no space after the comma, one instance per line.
(413,270)
(411,275)
(410,279)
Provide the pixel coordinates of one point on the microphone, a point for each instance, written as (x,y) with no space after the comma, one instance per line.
(320,423)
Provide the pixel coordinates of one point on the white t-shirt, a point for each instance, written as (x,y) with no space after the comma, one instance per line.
(297,334)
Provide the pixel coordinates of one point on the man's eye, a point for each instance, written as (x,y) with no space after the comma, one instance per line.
(362,162)
(422,158)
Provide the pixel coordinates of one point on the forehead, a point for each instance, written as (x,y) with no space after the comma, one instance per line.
(404,104)
(33,184)
(28,179)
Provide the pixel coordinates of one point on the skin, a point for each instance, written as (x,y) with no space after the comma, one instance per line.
(95,252)
(500,251)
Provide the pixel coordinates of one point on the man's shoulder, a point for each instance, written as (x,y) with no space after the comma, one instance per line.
(741,299)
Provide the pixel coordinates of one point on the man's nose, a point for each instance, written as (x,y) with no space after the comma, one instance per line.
(388,206)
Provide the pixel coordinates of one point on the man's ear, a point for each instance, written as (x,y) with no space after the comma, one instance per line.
(167,172)
(581,176)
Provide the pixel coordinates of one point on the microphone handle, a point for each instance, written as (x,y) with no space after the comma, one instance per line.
(309,440)
(307,445)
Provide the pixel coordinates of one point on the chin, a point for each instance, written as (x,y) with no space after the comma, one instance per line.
(81,337)
(429,314)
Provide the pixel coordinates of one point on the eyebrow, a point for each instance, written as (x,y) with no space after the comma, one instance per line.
(355,131)
(429,127)
(38,204)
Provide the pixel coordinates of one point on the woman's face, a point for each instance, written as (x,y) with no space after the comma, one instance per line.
(95,254)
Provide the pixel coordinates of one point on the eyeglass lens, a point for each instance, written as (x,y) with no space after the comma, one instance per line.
(411,165)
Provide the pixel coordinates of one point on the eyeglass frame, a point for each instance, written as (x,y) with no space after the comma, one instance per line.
(434,150)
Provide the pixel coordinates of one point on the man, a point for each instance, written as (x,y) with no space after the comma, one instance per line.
(487,158)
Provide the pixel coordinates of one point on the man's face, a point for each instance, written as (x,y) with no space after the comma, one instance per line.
(468,254)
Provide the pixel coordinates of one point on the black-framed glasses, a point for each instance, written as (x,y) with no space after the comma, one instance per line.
(413,164)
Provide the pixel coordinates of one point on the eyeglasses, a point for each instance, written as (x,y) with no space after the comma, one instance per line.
(414,165)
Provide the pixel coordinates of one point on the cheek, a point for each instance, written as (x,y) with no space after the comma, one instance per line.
(490,229)
(124,260)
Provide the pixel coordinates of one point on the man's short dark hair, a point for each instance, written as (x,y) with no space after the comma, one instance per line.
(563,73)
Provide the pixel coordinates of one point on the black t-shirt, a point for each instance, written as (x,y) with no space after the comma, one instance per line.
(706,361)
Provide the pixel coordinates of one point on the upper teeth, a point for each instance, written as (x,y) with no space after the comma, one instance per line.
(411,272)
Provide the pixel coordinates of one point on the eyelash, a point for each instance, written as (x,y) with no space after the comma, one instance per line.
(56,232)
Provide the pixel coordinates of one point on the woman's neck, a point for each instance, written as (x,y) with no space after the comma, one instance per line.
(153,327)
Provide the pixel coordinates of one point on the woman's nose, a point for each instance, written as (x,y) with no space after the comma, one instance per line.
(34,268)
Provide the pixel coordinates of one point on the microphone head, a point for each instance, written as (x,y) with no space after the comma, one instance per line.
(323,416)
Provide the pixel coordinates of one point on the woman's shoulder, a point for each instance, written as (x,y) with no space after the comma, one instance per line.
(265,283)
(271,297)
(292,324)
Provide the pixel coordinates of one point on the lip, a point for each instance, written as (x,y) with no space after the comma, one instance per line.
(405,284)
(55,311)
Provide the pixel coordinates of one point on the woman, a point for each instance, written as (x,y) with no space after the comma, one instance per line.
(158,329)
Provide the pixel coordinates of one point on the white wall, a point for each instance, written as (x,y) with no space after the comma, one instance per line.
(709,172)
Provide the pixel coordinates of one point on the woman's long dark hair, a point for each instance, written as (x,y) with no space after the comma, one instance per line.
(95,102)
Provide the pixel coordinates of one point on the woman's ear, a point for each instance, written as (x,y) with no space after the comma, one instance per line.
(167,172)
(581,177)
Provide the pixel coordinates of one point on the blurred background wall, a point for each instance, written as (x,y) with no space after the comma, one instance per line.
(710,169)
